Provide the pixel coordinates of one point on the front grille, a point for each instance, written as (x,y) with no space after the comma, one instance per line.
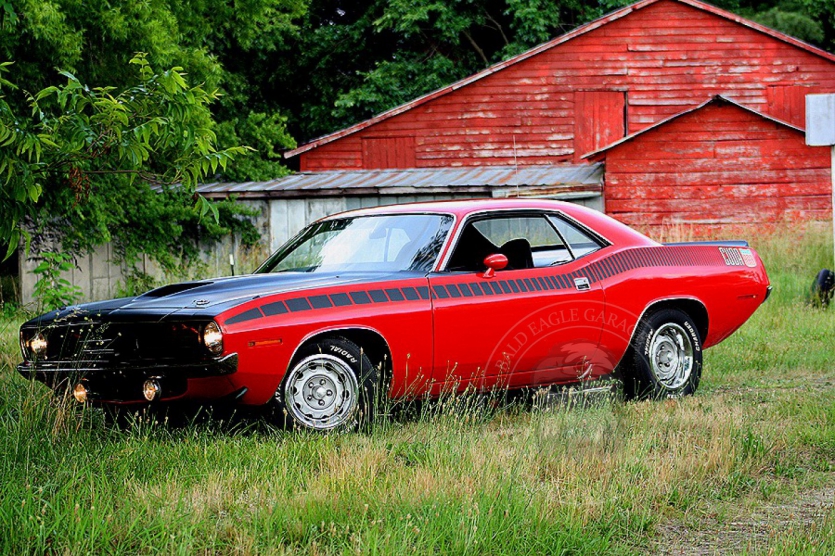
(123,343)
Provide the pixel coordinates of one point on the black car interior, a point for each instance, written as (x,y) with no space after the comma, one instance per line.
(473,247)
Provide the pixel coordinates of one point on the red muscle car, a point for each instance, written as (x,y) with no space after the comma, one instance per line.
(422,298)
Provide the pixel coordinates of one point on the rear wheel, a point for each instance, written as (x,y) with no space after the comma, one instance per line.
(665,358)
(330,385)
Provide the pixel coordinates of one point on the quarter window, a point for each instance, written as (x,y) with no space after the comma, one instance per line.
(581,243)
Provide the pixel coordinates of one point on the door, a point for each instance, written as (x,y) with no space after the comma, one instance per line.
(788,103)
(599,120)
(535,322)
(388,152)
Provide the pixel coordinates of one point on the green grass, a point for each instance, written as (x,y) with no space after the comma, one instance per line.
(462,477)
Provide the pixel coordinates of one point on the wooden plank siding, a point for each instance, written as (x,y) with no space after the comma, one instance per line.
(718,165)
(599,120)
(663,58)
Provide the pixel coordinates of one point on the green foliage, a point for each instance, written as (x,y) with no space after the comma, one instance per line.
(392,83)
(221,44)
(83,165)
(796,24)
(135,283)
(264,133)
(51,290)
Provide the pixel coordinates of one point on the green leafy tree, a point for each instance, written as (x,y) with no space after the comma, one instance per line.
(223,45)
(83,160)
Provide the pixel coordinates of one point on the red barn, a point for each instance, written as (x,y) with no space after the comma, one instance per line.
(610,79)
(720,163)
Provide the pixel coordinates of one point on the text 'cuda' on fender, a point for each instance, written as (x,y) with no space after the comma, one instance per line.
(409,301)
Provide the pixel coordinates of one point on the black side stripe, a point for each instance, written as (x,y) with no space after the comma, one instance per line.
(250,314)
(618,263)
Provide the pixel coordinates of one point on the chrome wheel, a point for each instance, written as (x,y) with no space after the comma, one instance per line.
(321,392)
(671,356)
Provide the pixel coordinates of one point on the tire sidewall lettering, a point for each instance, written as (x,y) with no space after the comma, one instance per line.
(344,353)
(694,336)
(648,342)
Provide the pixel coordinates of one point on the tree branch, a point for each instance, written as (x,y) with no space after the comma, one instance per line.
(498,27)
(477,48)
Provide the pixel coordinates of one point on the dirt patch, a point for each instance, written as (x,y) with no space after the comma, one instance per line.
(748,530)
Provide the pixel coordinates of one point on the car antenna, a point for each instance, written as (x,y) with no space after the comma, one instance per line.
(515,166)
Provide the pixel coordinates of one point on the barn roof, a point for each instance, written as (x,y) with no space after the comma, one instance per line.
(559,181)
(583,29)
(718,99)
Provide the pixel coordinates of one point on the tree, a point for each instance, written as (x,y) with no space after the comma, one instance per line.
(84,162)
(220,44)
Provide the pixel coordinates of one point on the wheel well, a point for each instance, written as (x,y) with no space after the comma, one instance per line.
(371,343)
(694,309)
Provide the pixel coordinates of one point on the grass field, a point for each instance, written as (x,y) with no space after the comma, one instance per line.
(745,466)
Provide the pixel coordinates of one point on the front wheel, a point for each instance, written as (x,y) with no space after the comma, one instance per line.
(330,385)
(665,357)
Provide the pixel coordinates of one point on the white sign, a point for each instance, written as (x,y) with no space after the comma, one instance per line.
(820,120)
(820,132)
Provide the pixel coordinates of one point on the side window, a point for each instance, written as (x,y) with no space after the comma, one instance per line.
(580,242)
(526,241)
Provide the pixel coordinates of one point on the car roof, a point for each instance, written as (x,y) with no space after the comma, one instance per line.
(604,225)
(461,207)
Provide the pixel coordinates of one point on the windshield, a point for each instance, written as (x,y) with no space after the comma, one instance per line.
(393,243)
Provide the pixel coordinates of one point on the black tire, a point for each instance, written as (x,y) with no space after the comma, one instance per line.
(665,357)
(331,384)
(823,288)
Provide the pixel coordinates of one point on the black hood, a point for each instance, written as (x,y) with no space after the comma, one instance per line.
(207,298)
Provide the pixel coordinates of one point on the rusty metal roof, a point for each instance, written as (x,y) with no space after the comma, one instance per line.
(581,30)
(484,180)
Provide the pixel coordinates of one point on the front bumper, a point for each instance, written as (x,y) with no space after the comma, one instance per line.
(122,383)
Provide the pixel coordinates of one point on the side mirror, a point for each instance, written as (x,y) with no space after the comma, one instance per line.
(494,262)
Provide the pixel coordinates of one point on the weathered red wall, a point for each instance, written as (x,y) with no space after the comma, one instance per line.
(718,165)
(663,58)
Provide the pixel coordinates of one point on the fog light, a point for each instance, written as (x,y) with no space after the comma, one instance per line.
(213,338)
(151,390)
(79,392)
(38,345)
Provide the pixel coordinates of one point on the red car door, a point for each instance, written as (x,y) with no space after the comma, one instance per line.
(536,322)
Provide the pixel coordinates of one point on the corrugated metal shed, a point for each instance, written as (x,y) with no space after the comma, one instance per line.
(492,181)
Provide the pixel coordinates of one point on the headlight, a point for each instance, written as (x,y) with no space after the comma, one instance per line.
(213,338)
(37,345)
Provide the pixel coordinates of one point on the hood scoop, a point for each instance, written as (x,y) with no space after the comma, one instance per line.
(174,288)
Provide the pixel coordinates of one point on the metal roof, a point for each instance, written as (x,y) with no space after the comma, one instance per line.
(581,30)
(486,180)
(717,99)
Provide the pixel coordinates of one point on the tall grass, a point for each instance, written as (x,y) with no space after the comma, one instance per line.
(464,475)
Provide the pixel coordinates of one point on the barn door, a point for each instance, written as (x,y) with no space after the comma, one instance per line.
(388,152)
(599,120)
(788,103)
